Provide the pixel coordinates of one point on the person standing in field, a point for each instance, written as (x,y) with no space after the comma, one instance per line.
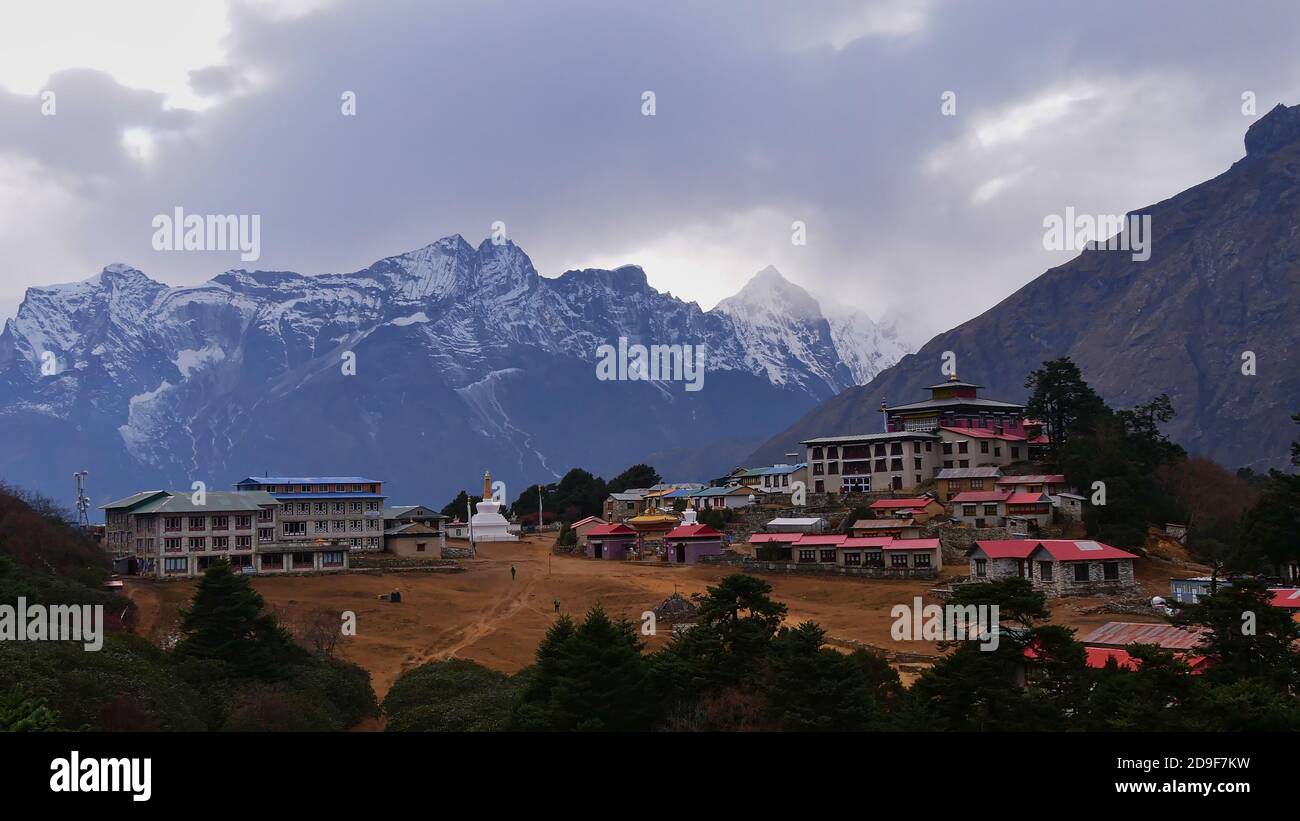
(557,605)
(512,572)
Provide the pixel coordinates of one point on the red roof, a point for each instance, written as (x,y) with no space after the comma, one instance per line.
(1028,499)
(984,433)
(1036,479)
(913,544)
(1006,548)
(896,504)
(971,496)
(1098,656)
(865,541)
(1065,550)
(827,541)
(617,529)
(762,538)
(695,531)
(1288,597)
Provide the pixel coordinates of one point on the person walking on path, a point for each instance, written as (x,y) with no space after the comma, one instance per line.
(512,572)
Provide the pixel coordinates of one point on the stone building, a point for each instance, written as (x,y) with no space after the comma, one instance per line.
(1058,567)
(173,534)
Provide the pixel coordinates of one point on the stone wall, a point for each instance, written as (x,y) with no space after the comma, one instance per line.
(449,552)
(745,564)
(955,539)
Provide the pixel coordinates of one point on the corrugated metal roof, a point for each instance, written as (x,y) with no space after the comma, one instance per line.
(133,499)
(969,473)
(1036,479)
(1124,633)
(215,501)
(976,496)
(927,404)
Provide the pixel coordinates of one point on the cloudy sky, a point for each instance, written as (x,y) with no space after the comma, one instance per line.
(767,112)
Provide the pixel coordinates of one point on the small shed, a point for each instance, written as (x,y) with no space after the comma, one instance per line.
(687,543)
(610,541)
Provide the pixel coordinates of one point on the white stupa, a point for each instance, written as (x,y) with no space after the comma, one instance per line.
(488,525)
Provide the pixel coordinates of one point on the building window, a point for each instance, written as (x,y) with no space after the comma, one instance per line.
(828,555)
(968,510)
(816,454)
(984,447)
(1015,452)
(198,522)
(1081,571)
(963,447)
(420,546)
(198,542)
(172,545)
(331,559)
(981,567)
(220,522)
(1045,571)
(265,534)
(1110,571)
(921,560)
(243,522)
(220,542)
(176,565)
(898,560)
(807,555)
(833,468)
(853,559)
(976,484)
(991,510)
(295,528)
(963,463)
(818,469)
(243,542)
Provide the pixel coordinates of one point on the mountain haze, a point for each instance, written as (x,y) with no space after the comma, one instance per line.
(465,359)
(1223,279)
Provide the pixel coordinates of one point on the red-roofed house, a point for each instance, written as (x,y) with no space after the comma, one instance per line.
(691,540)
(916,554)
(610,541)
(863,551)
(1031,510)
(921,509)
(1059,567)
(1000,558)
(818,549)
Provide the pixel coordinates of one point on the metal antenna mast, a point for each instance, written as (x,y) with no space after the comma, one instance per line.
(83,503)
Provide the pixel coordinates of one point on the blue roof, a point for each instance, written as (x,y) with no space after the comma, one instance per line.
(308,480)
(774,470)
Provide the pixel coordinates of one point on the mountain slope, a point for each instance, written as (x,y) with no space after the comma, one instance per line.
(465,358)
(1223,279)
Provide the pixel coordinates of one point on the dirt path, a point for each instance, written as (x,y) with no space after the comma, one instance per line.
(485,616)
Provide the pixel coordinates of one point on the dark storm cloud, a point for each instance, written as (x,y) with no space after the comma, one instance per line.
(767,113)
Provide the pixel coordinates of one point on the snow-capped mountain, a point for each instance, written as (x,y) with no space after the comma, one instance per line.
(421,370)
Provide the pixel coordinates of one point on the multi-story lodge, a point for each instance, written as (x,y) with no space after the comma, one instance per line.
(172,534)
(954,428)
(326,507)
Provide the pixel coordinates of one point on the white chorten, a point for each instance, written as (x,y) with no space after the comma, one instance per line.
(488,525)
